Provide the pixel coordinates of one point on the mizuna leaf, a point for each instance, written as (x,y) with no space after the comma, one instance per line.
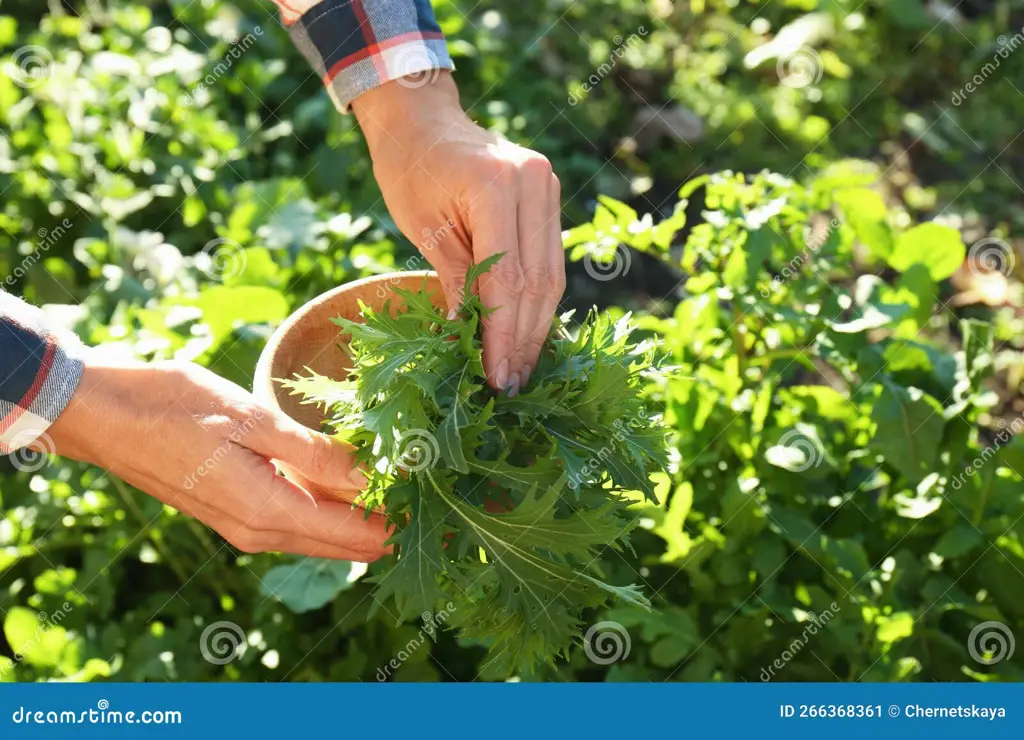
(415,578)
(499,505)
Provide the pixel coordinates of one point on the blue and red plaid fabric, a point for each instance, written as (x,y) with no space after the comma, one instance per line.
(357,45)
(38,375)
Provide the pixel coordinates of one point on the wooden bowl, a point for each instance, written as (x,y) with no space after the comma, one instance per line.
(308,340)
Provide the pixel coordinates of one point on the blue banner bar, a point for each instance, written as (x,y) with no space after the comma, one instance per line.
(511,710)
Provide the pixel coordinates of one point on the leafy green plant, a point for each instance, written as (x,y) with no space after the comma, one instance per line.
(501,504)
(740,545)
(837,440)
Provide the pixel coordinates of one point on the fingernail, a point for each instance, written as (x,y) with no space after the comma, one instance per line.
(452,313)
(513,385)
(527,370)
(501,376)
(357,478)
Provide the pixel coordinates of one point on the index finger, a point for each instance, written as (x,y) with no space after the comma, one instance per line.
(494,231)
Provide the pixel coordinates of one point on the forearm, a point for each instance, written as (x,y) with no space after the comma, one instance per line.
(39,372)
(358,45)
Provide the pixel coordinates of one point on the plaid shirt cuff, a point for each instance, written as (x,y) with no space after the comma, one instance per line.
(357,45)
(38,375)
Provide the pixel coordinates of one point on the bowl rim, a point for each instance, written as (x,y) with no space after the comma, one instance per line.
(263,382)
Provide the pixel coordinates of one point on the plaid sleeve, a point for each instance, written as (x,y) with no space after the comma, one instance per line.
(38,375)
(357,45)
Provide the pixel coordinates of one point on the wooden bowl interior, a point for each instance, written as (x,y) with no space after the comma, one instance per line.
(309,340)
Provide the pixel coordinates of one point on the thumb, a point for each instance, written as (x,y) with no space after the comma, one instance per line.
(327,465)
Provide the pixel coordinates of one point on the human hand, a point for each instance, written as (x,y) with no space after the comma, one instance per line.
(462,194)
(203,445)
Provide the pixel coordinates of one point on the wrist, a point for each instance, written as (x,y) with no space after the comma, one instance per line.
(79,431)
(398,106)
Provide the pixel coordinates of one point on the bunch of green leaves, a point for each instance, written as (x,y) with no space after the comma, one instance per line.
(501,504)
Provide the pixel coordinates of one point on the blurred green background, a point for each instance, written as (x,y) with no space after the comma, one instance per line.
(846,498)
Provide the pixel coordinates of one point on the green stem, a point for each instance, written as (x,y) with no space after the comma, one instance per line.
(979,512)
(739,343)
(770,357)
(203,535)
(130,504)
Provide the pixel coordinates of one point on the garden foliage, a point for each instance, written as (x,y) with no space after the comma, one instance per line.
(843,498)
